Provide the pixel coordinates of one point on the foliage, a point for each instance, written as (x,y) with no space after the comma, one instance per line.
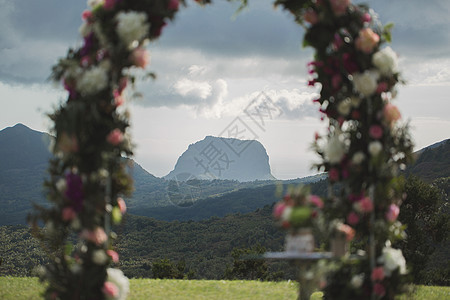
(426,214)
(249,265)
(166,269)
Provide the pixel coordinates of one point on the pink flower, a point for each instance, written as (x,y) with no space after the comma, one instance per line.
(366,40)
(352,218)
(311,16)
(379,289)
(365,205)
(392,213)
(316,201)
(278,209)
(109,4)
(377,274)
(366,18)
(86,15)
(333,174)
(382,87)
(349,231)
(391,113)
(140,57)
(118,98)
(85,61)
(375,131)
(122,205)
(114,255)
(110,289)
(115,137)
(173,5)
(336,81)
(339,6)
(98,236)
(68,214)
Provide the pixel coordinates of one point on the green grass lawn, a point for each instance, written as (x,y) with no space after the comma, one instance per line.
(30,288)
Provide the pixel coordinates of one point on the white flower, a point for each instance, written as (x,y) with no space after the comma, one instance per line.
(116,276)
(85,29)
(94,3)
(357,280)
(92,81)
(75,224)
(375,148)
(286,215)
(61,185)
(344,106)
(366,83)
(131,26)
(356,101)
(358,157)
(392,259)
(386,61)
(335,149)
(99,257)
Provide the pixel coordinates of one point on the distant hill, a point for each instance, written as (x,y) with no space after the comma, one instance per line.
(432,162)
(223,158)
(24,156)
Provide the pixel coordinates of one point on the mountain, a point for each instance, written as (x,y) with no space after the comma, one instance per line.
(24,156)
(223,158)
(432,162)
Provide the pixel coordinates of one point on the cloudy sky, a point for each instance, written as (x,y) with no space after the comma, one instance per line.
(211,65)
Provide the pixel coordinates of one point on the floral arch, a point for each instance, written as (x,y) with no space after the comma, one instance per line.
(362,152)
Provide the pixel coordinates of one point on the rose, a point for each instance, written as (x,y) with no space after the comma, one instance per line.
(352,218)
(68,214)
(122,205)
(115,137)
(316,201)
(92,81)
(366,83)
(109,4)
(392,259)
(364,205)
(357,281)
(377,274)
(366,40)
(114,255)
(333,174)
(278,209)
(335,149)
(375,148)
(375,131)
(392,213)
(358,157)
(379,289)
(347,230)
(173,5)
(339,7)
(391,113)
(386,61)
(131,26)
(311,16)
(110,290)
(116,277)
(99,257)
(140,57)
(97,236)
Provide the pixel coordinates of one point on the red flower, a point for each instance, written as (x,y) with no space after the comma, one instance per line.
(379,289)
(377,274)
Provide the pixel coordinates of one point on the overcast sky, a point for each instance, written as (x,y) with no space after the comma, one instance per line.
(211,66)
